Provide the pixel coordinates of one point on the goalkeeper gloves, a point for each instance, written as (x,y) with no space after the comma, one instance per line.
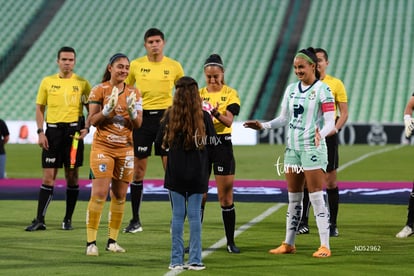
(112,102)
(134,105)
(409,125)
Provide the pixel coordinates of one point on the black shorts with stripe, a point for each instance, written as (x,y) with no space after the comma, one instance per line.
(60,137)
(222,161)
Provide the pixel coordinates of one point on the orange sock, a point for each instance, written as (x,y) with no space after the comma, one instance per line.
(93,217)
(116,214)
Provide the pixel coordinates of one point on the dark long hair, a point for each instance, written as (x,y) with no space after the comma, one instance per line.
(185,118)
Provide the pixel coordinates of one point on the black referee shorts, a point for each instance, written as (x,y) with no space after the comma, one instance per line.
(60,137)
(332,143)
(145,136)
(223,161)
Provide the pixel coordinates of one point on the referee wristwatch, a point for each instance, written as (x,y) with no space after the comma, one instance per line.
(39,130)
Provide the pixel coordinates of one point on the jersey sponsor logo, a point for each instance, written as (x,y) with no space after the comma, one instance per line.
(102,167)
(112,138)
(297,110)
(50,160)
(292,126)
(100,156)
(142,149)
(129,162)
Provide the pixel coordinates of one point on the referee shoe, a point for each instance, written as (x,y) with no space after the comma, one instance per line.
(133,227)
(67,224)
(36,225)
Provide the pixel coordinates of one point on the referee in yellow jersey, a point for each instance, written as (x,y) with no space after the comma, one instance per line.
(64,94)
(154,75)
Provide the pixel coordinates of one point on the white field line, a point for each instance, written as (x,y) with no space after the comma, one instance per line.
(365,156)
(241,229)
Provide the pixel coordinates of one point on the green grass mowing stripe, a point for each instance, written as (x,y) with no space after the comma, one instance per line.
(367,155)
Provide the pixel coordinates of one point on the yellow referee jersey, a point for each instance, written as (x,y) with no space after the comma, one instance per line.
(155,80)
(64,98)
(224,98)
(338,90)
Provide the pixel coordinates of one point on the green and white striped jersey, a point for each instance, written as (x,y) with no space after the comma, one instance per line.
(304,109)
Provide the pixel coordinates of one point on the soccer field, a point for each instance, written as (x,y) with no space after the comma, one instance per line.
(366,245)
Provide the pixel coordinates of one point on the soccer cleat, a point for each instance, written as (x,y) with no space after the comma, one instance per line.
(322,252)
(36,225)
(196,267)
(92,250)
(175,267)
(302,229)
(114,247)
(133,227)
(333,231)
(405,232)
(284,248)
(232,248)
(67,224)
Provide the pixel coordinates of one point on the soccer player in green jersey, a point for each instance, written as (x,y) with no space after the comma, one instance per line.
(307,110)
(332,142)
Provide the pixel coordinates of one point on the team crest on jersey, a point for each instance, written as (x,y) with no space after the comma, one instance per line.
(312,95)
(102,167)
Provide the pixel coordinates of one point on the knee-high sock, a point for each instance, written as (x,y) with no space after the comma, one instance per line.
(229,219)
(293,215)
(321,216)
(333,201)
(306,206)
(410,216)
(136,189)
(93,217)
(116,213)
(72,194)
(45,197)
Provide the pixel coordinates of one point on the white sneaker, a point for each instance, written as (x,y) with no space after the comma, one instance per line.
(196,267)
(92,250)
(114,247)
(405,232)
(175,267)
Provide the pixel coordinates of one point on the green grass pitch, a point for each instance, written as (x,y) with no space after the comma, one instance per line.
(366,245)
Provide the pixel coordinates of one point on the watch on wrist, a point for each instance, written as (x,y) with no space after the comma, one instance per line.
(39,130)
